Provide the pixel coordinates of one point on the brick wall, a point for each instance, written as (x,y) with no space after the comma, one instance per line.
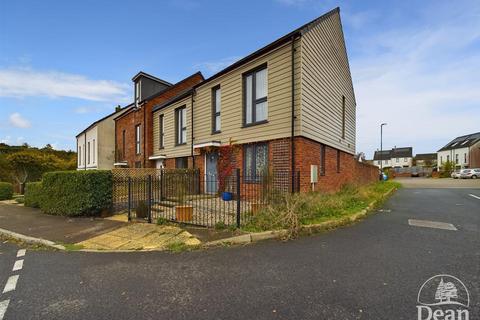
(307,152)
(128,122)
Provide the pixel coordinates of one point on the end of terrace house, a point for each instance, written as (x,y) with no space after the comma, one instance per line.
(289,106)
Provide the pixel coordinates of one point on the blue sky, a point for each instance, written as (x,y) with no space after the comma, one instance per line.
(64,64)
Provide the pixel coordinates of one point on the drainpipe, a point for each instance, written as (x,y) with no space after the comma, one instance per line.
(292,137)
(144,135)
(191,125)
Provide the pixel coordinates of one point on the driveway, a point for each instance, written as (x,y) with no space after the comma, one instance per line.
(371,270)
(439,183)
(31,222)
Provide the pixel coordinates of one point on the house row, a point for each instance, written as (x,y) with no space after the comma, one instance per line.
(463,152)
(287,106)
(394,158)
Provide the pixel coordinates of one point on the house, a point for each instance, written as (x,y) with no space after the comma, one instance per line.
(463,151)
(96,144)
(426,159)
(289,106)
(134,128)
(394,158)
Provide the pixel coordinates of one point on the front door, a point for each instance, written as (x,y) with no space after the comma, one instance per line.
(211,175)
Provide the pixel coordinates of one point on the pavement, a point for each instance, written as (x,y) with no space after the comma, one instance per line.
(141,236)
(371,270)
(31,222)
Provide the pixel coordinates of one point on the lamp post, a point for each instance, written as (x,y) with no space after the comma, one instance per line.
(381,150)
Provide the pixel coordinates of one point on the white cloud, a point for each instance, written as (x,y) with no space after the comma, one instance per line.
(5,140)
(423,83)
(18,121)
(215,66)
(23,82)
(81,110)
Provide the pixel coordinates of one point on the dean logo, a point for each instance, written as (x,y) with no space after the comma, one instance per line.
(443,297)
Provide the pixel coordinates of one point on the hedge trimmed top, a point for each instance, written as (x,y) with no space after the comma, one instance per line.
(76,193)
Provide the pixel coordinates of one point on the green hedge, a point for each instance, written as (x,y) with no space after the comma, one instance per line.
(76,193)
(6,191)
(33,194)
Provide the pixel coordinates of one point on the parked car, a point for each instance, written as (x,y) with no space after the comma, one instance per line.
(456,174)
(470,173)
(414,172)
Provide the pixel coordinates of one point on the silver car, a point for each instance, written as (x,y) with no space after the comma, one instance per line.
(470,173)
(456,174)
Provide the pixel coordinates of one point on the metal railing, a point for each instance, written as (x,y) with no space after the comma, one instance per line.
(187,196)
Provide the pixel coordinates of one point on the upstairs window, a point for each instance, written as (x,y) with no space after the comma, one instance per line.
(137,93)
(88,156)
(255,96)
(216,106)
(137,139)
(123,145)
(93,151)
(161,138)
(464,158)
(79,156)
(181,125)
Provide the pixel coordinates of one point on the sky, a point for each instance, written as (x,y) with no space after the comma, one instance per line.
(64,64)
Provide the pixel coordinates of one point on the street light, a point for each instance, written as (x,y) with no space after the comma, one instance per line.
(381,150)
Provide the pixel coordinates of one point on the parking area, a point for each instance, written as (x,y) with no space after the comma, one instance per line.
(439,183)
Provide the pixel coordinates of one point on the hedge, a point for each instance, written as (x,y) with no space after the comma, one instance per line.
(6,191)
(76,193)
(33,194)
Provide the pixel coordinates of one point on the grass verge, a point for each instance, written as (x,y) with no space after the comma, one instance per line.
(294,211)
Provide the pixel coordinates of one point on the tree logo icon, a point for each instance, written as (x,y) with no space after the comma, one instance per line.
(442,296)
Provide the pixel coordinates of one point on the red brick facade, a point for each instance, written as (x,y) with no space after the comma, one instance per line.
(143,117)
(307,153)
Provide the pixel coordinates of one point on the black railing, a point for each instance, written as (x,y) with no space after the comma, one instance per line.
(186,196)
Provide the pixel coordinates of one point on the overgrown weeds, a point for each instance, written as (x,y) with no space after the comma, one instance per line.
(292,211)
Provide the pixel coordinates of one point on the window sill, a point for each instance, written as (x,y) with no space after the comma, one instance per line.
(216,132)
(246,125)
(180,144)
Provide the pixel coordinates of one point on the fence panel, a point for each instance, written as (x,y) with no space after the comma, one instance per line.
(182,195)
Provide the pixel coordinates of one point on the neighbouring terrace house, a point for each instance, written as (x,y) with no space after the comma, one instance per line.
(426,159)
(134,130)
(463,151)
(96,144)
(394,158)
(289,106)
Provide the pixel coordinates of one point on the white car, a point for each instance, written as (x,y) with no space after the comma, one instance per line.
(456,174)
(470,173)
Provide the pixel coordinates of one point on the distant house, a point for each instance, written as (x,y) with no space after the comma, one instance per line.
(463,151)
(426,159)
(394,158)
(96,144)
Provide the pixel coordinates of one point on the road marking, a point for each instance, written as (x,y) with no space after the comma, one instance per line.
(431,224)
(3,308)
(11,284)
(21,253)
(476,197)
(18,265)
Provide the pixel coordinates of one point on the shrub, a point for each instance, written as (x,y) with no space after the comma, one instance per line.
(20,199)
(76,193)
(6,191)
(33,194)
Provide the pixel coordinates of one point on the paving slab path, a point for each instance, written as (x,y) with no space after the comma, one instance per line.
(32,222)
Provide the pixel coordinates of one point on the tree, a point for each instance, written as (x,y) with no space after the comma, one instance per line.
(26,165)
(445,291)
